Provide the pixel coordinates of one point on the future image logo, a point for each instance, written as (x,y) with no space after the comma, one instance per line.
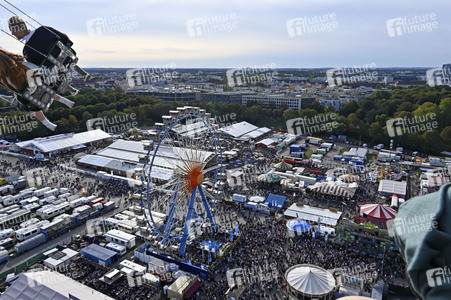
(438,276)
(17,123)
(311,24)
(114,124)
(111,24)
(251,75)
(417,123)
(340,76)
(152,75)
(439,76)
(211,24)
(413,24)
(312,125)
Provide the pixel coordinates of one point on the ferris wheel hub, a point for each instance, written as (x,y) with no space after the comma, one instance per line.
(196,178)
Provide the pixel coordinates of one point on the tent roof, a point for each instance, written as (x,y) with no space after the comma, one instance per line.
(310,280)
(378,212)
(64,141)
(283,166)
(271,177)
(334,189)
(239,129)
(310,213)
(299,225)
(393,187)
(49,285)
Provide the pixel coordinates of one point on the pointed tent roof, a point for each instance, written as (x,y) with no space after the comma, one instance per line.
(310,280)
(283,166)
(378,212)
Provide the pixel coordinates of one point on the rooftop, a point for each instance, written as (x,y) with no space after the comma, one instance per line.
(64,141)
(120,235)
(50,285)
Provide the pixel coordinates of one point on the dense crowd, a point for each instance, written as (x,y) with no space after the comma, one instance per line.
(264,246)
(265,242)
(63,173)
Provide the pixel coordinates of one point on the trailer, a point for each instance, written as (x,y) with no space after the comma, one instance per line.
(64,190)
(30,200)
(47,200)
(54,192)
(320,151)
(89,199)
(97,206)
(4,256)
(97,200)
(5,210)
(80,214)
(26,194)
(32,221)
(40,193)
(76,203)
(6,189)
(73,197)
(6,233)
(32,206)
(298,154)
(54,228)
(110,222)
(7,243)
(110,205)
(30,243)
(64,196)
(27,233)
(55,211)
(338,157)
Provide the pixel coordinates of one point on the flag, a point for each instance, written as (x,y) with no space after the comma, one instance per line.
(231,235)
(236,229)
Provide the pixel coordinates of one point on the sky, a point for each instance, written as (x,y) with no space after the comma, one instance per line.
(246,33)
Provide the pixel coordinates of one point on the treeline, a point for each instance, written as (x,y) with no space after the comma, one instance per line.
(363,121)
(366,121)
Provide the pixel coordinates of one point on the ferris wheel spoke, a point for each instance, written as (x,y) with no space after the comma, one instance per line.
(212,168)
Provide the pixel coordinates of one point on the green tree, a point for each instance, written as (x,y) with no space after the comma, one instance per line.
(290,114)
(446,135)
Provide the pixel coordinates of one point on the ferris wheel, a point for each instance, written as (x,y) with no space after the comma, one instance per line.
(184,157)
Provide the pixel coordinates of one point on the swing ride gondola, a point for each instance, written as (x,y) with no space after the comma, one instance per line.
(46,73)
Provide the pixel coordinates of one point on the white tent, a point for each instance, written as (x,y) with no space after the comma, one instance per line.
(310,281)
(50,285)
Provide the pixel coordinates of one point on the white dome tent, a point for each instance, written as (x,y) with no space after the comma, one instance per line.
(310,282)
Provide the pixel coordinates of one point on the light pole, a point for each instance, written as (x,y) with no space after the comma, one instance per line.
(383,259)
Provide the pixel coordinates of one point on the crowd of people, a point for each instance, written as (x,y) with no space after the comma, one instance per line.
(263,246)
(265,241)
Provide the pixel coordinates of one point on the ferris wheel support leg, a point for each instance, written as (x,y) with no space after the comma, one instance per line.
(207,209)
(187,221)
(168,227)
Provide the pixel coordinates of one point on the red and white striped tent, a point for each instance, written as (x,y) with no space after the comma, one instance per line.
(377,212)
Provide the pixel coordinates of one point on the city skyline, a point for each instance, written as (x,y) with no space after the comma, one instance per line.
(201,34)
